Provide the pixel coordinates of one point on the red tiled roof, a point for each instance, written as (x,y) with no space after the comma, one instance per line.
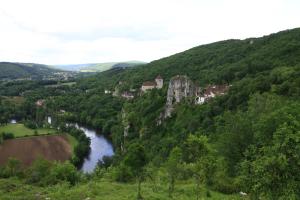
(216,89)
(159,77)
(149,83)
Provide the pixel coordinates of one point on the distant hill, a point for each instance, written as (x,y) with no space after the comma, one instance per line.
(10,70)
(98,67)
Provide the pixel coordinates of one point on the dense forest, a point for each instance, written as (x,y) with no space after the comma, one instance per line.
(246,140)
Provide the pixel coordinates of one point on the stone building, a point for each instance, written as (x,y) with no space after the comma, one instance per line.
(159,82)
(149,85)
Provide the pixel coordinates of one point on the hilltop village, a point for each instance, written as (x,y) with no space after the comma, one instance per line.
(179,87)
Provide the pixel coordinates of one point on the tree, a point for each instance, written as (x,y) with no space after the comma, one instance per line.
(273,171)
(173,166)
(199,161)
(13,168)
(136,160)
(38,171)
(64,172)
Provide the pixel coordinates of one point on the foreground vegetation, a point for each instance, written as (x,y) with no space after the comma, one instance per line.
(61,181)
(12,189)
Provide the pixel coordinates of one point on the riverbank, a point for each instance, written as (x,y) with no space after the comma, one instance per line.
(100,146)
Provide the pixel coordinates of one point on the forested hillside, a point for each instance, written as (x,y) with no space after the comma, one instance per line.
(246,140)
(24,70)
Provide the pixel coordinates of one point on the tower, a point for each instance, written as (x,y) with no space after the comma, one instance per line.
(159,82)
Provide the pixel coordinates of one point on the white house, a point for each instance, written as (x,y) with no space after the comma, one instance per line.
(200,100)
(127,95)
(107,91)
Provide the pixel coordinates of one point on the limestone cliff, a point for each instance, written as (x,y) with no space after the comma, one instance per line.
(179,88)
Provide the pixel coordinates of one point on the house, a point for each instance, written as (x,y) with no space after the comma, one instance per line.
(40,102)
(127,95)
(107,92)
(200,100)
(210,92)
(149,85)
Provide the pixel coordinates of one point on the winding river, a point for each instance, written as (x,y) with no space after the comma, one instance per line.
(100,147)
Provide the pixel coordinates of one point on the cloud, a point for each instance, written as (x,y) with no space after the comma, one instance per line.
(77,31)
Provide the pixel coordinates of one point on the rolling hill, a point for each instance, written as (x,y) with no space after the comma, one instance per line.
(98,67)
(10,70)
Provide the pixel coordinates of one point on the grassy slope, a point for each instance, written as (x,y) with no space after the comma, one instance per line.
(72,141)
(11,189)
(105,66)
(19,130)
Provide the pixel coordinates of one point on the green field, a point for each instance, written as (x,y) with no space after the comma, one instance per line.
(19,130)
(104,189)
(62,84)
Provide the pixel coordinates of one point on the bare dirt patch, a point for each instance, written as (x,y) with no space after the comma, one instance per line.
(53,147)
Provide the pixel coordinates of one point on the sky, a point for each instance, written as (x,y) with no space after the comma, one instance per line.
(94,31)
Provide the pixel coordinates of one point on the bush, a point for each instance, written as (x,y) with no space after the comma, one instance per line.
(63,172)
(7,136)
(30,124)
(12,168)
(122,173)
(226,186)
(38,171)
(43,173)
(105,162)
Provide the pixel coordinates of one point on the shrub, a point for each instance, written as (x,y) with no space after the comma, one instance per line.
(30,124)
(122,173)
(12,168)
(7,136)
(105,162)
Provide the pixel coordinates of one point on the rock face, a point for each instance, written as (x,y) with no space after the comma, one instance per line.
(126,126)
(179,88)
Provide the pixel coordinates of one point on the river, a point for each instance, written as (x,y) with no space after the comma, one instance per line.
(100,147)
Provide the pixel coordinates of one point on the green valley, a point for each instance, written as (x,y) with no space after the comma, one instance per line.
(218,121)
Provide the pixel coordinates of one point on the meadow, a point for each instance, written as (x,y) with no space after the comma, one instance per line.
(19,130)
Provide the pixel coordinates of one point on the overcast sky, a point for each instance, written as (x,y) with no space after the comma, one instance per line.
(88,31)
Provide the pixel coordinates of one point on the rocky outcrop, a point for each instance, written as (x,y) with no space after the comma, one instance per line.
(126,126)
(179,88)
